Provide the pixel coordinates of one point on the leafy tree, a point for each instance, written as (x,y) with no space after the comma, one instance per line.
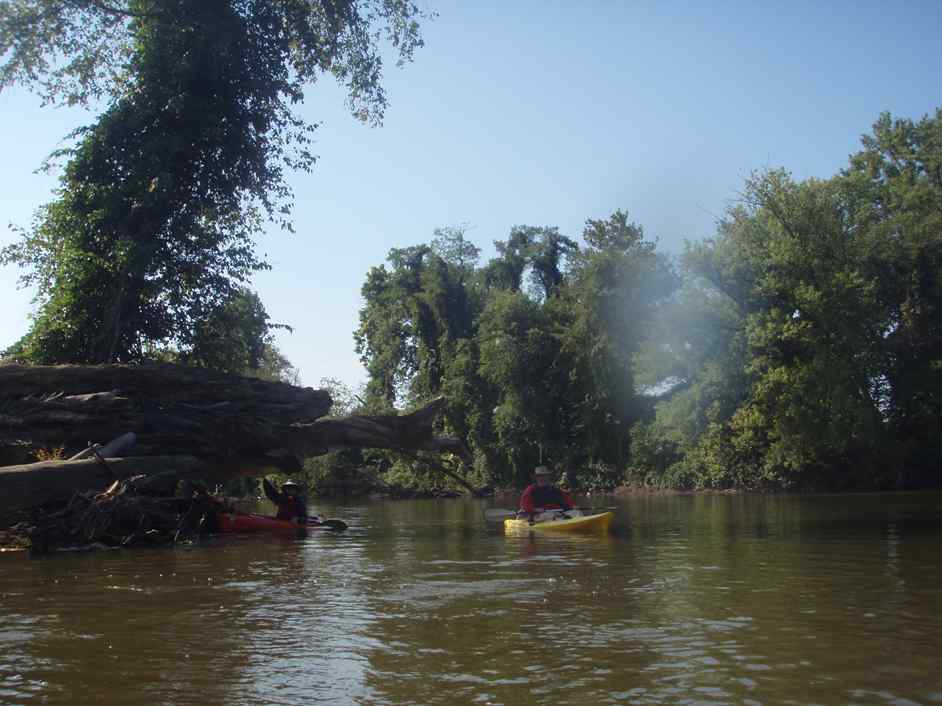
(234,338)
(523,371)
(506,271)
(896,180)
(386,336)
(154,223)
(797,348)
(548,251)
(415,312)
(618,284)
(451,245)
(275,366)
(795,312)
(693,366)
(519,361)
(816,364)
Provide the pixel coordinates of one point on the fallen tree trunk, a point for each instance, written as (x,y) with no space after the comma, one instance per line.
(226,425)
(55,481)
(113,449)
(408,431)
(171,409)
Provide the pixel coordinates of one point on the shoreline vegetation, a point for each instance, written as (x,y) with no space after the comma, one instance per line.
(19,533)
(798,348)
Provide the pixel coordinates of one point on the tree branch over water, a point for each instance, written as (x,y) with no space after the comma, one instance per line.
(188,420)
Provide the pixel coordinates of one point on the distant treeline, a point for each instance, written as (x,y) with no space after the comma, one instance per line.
(798,348)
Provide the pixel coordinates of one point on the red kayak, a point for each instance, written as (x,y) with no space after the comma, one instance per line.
(230,522)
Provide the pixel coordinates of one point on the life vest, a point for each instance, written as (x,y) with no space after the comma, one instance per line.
(290,508)
(546,496)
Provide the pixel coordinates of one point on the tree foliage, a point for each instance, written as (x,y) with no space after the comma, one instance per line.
(237,338)
(822,366)
(154,225)
(530,373)
(800,347)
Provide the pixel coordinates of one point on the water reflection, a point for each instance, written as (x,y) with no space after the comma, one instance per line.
(101,628)
(708,599)
(312,626)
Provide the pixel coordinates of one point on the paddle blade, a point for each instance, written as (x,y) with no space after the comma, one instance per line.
(498,515)
(338,525)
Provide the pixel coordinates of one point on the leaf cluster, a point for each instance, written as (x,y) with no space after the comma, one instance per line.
(153,229)
(815,360)
(538,373)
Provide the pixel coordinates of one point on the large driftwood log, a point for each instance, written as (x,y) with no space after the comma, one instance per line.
(233,425)
(408,431)
(51,481)
(171,409)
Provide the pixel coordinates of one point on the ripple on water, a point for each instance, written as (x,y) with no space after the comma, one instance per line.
(440,592)
(704,600)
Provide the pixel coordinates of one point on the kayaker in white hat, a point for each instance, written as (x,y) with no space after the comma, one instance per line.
(543,495)
(290,501)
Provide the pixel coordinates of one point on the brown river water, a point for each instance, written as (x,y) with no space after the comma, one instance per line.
(690,599)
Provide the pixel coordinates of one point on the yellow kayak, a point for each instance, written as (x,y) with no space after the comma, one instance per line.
(576,522)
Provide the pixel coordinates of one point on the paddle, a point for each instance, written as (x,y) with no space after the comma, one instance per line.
(338,525)
(498,515)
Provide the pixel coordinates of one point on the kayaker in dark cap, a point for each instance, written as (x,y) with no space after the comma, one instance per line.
(542,495)
(290,502)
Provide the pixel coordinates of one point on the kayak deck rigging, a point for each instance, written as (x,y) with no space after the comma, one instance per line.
(560,521)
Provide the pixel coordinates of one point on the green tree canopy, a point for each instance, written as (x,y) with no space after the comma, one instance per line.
(810,349)
(529,372)
(155,221)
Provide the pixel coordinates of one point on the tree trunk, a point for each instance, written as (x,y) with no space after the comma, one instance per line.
(228,424)
(54,481)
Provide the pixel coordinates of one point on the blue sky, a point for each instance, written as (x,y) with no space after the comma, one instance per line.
(547,114)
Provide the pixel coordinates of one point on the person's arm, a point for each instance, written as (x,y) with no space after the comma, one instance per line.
(270,491)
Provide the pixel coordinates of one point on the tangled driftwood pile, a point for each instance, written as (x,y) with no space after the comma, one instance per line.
(168,424)
(123,515)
